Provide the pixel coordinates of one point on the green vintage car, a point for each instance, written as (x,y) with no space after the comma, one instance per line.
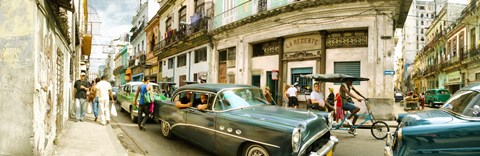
(239,121)
(126,95)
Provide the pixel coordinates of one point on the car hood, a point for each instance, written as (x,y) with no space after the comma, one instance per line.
(426,118)
(281,116)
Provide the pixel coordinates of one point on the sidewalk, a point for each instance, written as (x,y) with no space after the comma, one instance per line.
(89,138)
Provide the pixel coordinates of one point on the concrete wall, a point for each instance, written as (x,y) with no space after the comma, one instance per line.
(16,88)
(190,68)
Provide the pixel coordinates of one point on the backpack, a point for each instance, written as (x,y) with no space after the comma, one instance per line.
(147,98)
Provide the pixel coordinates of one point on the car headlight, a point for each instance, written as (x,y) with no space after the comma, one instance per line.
(296,137)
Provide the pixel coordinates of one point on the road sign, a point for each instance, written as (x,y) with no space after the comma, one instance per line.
(389,72)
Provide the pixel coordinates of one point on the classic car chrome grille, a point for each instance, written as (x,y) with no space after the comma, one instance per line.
(317,144)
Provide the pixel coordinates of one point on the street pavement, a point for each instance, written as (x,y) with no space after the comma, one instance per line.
(151,141)
(90,138)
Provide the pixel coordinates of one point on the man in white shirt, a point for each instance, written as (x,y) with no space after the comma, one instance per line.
(317,98)
(104,91)
(292,97)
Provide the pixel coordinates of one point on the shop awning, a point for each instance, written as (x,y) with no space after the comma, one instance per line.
(86,44)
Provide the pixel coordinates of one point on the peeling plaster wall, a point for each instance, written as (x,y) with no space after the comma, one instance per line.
(16,80)
(34,79)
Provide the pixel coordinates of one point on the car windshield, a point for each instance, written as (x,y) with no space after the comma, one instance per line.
(398,94)
(239,98)
(464,102)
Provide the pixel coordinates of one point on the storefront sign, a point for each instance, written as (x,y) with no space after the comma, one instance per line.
(274,74)
(454,77)
(302,43)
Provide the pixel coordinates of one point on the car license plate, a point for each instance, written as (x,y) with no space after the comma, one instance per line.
(330,153)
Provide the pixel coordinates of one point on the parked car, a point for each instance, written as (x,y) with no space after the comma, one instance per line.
(398,96)
(436,97)
(239,121)
(454,129)
(126,96)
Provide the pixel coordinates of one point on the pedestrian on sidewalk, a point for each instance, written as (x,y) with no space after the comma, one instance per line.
(143,106)
(104,91)
(292,94)
(422,100)
(81,87)
(94,98)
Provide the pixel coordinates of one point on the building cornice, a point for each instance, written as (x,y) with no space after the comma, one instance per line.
(399,16)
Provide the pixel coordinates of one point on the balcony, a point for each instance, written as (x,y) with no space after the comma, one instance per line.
(185,33)
(138,30)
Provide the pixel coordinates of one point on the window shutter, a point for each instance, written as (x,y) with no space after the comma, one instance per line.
(348,68)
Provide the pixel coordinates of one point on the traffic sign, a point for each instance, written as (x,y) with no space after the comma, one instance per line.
(389,72)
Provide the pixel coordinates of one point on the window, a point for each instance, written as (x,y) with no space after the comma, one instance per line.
(182,14)
(421,15)
(266,48)
(303,82)
(182,79)
(348,68)
(169,24)
(421,22)
(182,60)
(201,55)
(473,38)
(229,11)
(170,63)
(421,31)
(199,5)
(461,44)
(454,48)
(228,55)
(421,7)
(464,102)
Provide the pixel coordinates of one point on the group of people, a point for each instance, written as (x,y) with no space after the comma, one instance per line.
(98,93)
(411,96)
(186,102)
(342,101)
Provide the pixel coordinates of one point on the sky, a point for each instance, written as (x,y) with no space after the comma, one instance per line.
(110,19)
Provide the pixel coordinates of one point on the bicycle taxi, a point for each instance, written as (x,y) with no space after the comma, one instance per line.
(379,129)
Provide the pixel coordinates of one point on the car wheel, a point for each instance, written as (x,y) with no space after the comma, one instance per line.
(165,126)
(380,130)
(254,150)
(133,118)
(431,104)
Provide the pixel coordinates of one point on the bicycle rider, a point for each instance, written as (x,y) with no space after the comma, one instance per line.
(348,103)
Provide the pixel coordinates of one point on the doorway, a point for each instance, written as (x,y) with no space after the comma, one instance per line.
(273,84)
(256,80)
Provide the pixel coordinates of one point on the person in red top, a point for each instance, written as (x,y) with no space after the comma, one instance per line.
(339,113)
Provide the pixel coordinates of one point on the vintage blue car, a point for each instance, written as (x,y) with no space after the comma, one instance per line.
(452,130)
(238,120)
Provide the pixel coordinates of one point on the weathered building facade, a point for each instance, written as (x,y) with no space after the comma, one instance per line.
(153,32)
(184,49)
(272,43)
(437,64)
(40,57)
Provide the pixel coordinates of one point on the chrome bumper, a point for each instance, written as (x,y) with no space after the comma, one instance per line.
(388,145)
(326,148)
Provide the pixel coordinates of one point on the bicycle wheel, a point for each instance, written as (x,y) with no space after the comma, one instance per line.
(380,130)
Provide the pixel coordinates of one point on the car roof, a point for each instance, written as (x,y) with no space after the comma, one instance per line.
(212,87)
(168,83)
(437,89)
(474,86)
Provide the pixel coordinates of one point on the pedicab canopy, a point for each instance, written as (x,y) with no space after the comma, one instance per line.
(333,77)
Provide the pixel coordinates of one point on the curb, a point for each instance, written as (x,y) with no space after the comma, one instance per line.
(127,142)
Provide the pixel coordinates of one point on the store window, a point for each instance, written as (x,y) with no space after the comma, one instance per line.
(348,68)
(305,84)
(182,15)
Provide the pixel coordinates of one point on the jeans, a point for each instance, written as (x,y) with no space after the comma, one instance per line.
(145,108)
(104,110)
(95,107)
(349,106)
(80,108)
